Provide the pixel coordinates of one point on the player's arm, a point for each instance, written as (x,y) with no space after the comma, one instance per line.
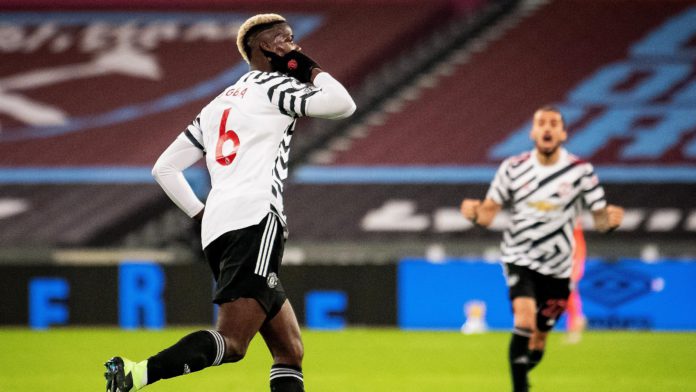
(332,100)
(168,172)
(480,213)
(483,212)
(608,218)
(327,98)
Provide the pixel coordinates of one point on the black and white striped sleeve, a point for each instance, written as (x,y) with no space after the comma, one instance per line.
(592,191)
(499,191)
(194,134)
(326,98)
(286,93)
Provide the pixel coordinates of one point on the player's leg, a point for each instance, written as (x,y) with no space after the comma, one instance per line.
(240,293)
(281,330)
(521,289)
(282,336)
(524,309)
(552,298)
(238,322)
(537,345)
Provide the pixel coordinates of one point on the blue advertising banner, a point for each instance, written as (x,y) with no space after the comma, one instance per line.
(144,294)
(434,295)
(633,294)
(629,294)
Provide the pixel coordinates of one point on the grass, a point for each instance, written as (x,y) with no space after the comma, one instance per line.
(362,360)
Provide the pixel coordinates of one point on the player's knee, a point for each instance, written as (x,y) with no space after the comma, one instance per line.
(538,341)
(525,321)
(290,354)
(234,350)
(524,313)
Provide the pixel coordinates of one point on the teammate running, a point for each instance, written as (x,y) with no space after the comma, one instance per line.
(546,189)
(244,135)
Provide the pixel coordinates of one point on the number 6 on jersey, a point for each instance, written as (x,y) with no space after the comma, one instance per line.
(226,135)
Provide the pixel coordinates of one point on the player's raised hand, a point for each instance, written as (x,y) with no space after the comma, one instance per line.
(614,216)
(469,208)
(294,63)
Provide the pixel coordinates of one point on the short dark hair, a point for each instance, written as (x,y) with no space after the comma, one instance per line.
(554,109)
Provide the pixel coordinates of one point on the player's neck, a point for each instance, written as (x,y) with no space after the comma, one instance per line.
(260,67)
(548,159)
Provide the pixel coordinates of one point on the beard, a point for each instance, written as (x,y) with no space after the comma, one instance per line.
(549,150)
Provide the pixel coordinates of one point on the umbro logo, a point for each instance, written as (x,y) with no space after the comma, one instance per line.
(613,286)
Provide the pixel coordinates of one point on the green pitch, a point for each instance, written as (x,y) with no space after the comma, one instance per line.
(362,360)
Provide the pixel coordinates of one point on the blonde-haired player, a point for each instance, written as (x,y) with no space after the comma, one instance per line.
(244,136)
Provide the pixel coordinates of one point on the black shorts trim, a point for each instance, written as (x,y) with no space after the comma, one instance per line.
(266,248)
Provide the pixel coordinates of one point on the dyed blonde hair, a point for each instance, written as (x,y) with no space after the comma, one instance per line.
(252,25)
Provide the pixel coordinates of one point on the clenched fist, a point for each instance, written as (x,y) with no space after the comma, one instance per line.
(469,209)
(614,216)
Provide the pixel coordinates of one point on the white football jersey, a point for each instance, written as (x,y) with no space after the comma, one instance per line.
(545,203)
(245,135)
